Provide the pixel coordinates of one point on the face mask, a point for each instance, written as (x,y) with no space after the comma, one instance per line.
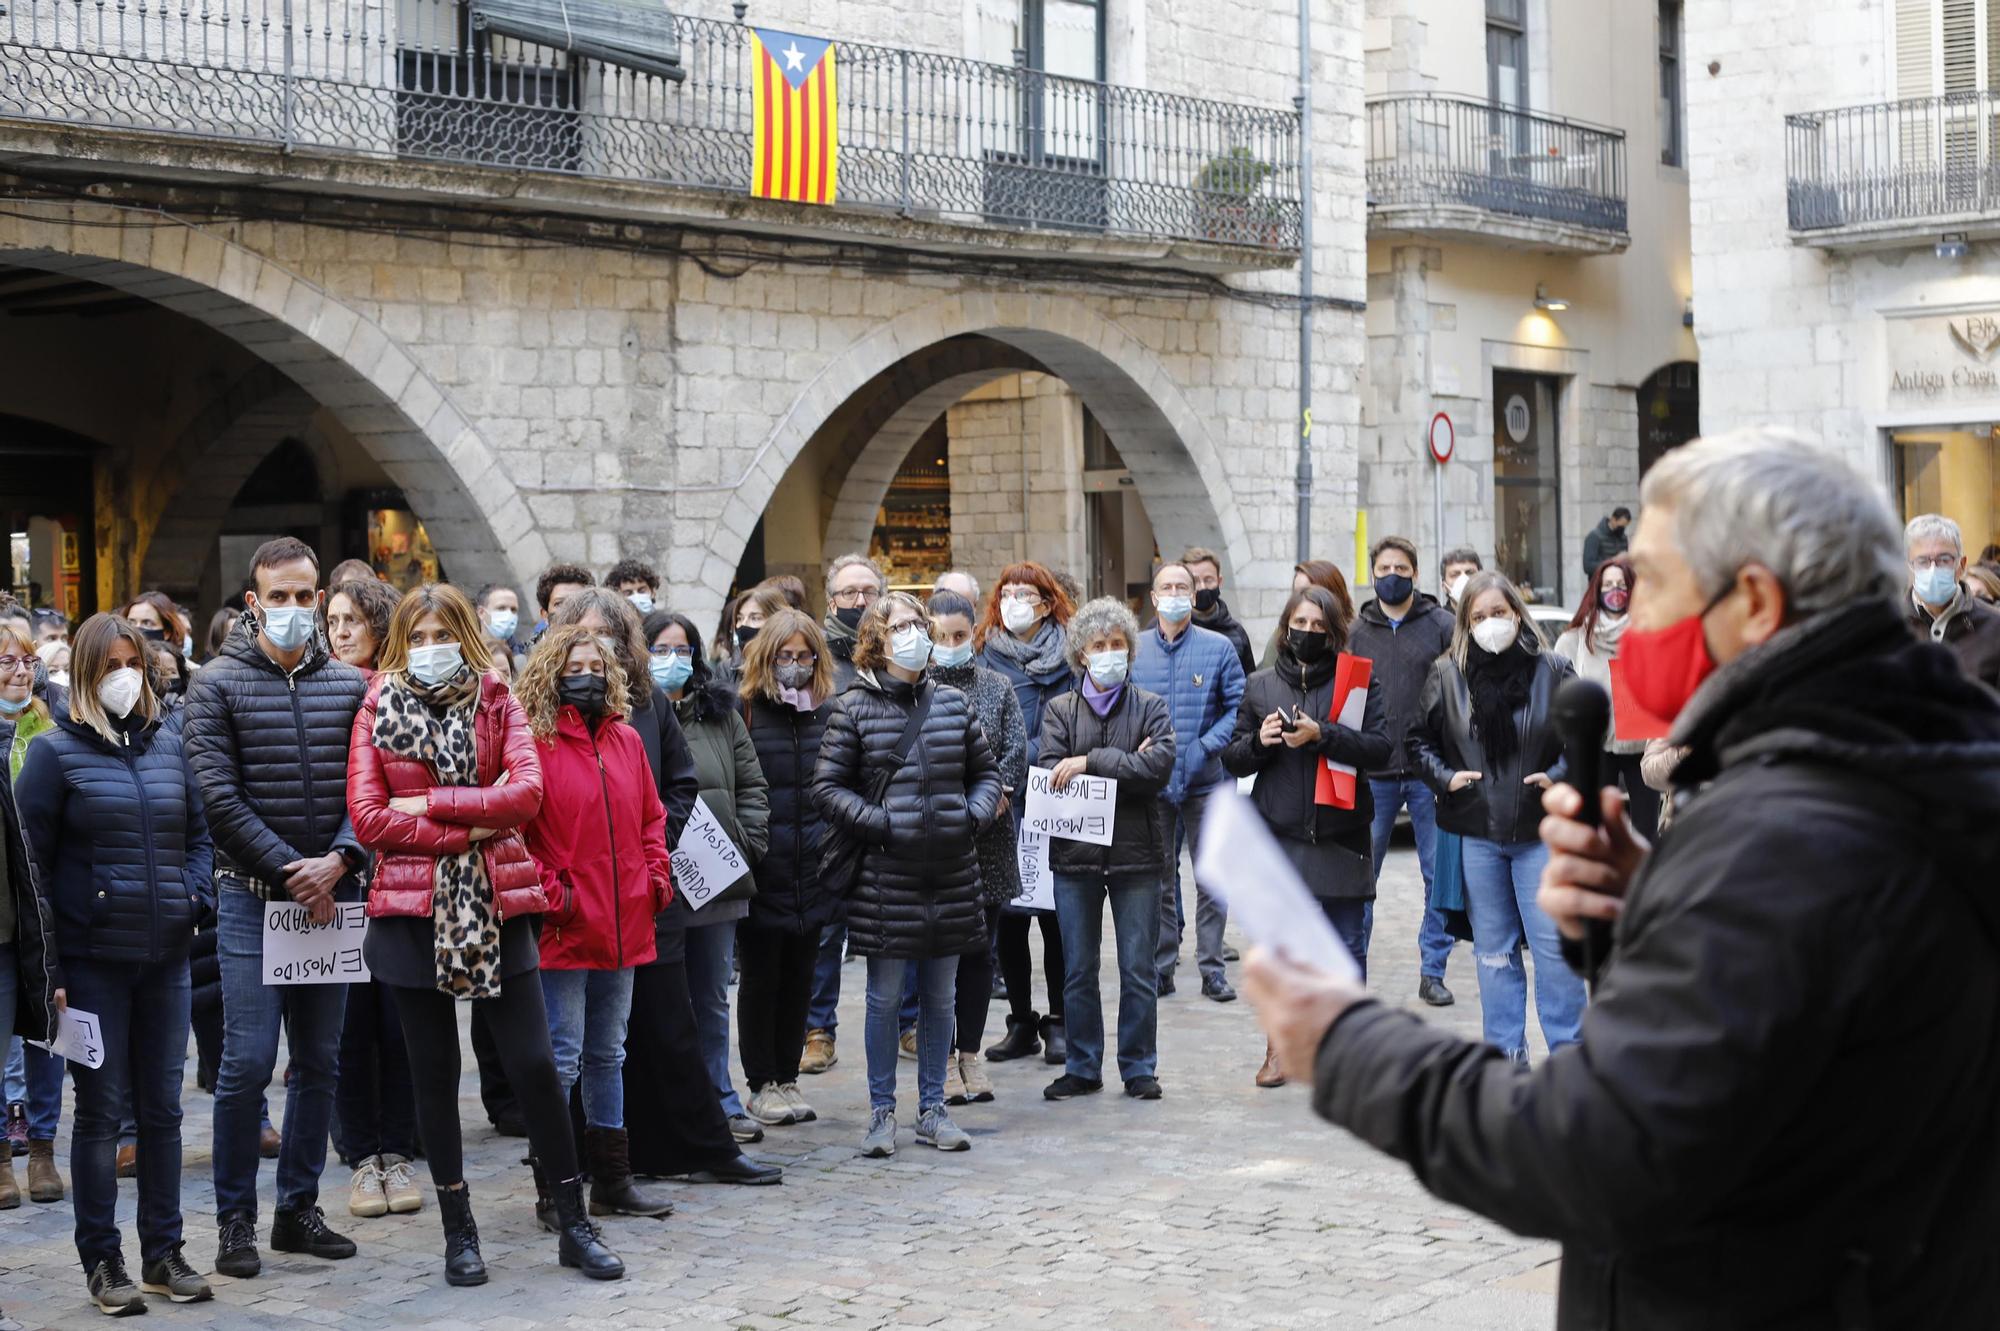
(1614,600)
(1393,588)
(289,627)
(1456,591)
(1017,617)
(1497,634)
(793,674)
(642,602)
(433,665)
(187,647)
(670,672)
(1937,584)
(951,658)
(586,693)
(1206,600)
(119,691)
(153,635)
(849,616)
(744,633)
(1174,609)
(1665,667)
(10,708)
(503,624)
(910,648)
(1108,669)
(1308,645)
(60,677)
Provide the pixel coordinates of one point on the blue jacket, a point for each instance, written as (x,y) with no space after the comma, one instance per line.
(1201,677)
(119,837)
(1033,692)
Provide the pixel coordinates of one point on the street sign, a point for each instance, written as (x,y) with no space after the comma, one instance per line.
(1443,438)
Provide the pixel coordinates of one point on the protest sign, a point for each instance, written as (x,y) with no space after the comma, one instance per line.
(1081,811)
(78,1039)
(1038,879)
(297,951)
(706,861)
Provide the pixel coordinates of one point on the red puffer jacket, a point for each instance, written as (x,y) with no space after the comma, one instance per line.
(601,839)
(408,844)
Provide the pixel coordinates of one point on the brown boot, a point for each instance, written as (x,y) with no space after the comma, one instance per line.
(612,1191)
(10,1191)
(1270,1074)
(44,1183)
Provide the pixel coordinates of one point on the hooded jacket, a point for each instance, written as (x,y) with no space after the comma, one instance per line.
(1500,806)
(269,751)
(1201,679)
(1970,628)
(1110,746)
(601,842)
(1220,620)
(787,744)
(1781,1112)
(1403,654)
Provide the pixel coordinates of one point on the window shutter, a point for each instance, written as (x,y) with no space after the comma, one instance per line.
(1960,46)
(1916,48)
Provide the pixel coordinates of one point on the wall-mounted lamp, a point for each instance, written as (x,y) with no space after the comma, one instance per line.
(1952,245)
(1687,313)
(1544,301)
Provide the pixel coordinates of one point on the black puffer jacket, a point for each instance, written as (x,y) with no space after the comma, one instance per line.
(787,743)
(1110,746)
(269,751)
(1500,806)
(1781,1113)
(36,964)
(917,893)
(1330,847)
(1403,657)
(119,841)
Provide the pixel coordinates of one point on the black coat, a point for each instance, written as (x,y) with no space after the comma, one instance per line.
(1972,633)
(917,892)
(1331,848)
(1781,1113)
(679,784)
(119,842)
(269,751)
(1601,543)
(788,892)
(1500,807)
(1403,657)
(1225,623)
(35,960)
(1110,746)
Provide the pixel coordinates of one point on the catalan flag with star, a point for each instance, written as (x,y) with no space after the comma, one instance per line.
(795,152)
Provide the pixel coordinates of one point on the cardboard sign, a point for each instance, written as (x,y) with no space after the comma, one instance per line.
(78,1038)
(1630,721)
(706,860)
(297,951)
(1081,811)
(1038,877)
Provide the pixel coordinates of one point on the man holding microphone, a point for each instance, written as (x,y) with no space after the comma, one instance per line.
(1783,1108)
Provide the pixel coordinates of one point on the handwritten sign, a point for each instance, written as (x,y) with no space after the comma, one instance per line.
(1038,878)
(706,860)
(297,951)
(78,1038)
(1080,811)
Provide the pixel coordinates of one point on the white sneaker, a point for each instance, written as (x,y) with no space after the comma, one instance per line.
(954,1079)
(365,1197)
(801,1111)
(771,1108)
(978,1085)
(880,1143)
(399,1185)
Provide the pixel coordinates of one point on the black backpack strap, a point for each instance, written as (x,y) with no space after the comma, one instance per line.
(893,763)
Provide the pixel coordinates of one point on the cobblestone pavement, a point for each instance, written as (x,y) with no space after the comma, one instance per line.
(1221,1206)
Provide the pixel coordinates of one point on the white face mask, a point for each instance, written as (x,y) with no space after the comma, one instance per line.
(1017,617)
(642,602)
(433,665)
(1456,589)
(118,691)
(1497,634)
(910,647)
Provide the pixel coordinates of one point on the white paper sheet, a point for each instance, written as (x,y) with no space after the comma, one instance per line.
(297,951)
(1038,878)
(78,1038)
(1242,863)
(706,861)
(1083,810)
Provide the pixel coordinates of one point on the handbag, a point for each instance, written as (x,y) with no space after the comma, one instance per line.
(840,848)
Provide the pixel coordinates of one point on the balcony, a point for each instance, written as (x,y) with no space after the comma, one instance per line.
(1894,173)
(1464,169)
(422,100)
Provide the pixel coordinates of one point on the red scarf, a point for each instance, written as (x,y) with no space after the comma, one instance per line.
(1336,783)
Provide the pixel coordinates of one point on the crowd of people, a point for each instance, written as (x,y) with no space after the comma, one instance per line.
(506,798)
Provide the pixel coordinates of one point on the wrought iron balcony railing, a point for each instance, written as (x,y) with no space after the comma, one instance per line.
(921,135)
(1908,161)
(1429,151)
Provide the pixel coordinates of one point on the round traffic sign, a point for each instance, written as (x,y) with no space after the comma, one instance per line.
(1442,438)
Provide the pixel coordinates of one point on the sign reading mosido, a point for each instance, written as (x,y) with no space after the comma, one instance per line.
(297,951)
(706,860)
(1080,811)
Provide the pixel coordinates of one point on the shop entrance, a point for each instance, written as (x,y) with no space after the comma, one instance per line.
(1951,470)
(46,500)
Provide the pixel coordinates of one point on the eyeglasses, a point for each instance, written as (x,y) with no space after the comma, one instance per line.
(687,652)
(1022,596)
(797,658)
(9,664)
(1925,563)
(854,596)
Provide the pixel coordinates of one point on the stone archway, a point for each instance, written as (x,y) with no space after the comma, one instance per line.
(330,354)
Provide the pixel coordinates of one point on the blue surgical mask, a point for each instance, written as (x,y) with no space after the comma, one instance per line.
(9,708)
(1937,584)
(642,602)
(1107,669)
(1175,609)
(289,627)
(433,665)
(503,624)
(670,672)
(910,648)
(952,657)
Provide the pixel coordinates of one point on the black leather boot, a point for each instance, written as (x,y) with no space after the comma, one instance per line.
(545,1200)
(462,1263)
(1022,1041)
(608,1152)
(1055,1044)
(579,1245)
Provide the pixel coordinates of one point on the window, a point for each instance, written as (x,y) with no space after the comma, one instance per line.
(1048,169)
(1527,495)
(1670,83)
(1949,49)
(467,93)
(1507,53)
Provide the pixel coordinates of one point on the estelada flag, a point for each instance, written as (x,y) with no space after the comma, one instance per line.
(1351,675)
(795,146)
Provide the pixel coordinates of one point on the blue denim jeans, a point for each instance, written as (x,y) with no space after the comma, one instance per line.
(1135,921)
(35,1078)
(1349,918)
(588,1012)
(1433,939)
(1500,883)
(937,1026)
(142,1014)
(1183,823)
(253,1013)
(711,952)
(824,1013)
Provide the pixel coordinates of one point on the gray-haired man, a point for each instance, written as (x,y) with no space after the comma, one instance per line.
(1940,608)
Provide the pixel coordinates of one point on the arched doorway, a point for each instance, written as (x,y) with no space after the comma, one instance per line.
(1669,411)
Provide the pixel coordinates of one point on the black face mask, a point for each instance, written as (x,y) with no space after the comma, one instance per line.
(586,693)
(1308,645)
(1393,588)
(153,635)
(744,633)
(1206,600)
(850,615)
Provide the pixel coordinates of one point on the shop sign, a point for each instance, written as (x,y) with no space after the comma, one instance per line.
(1944,359)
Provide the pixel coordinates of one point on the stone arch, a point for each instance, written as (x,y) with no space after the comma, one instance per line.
(1174,460)
(342,361)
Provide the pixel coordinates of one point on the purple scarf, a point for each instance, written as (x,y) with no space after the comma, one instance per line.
(1101,700)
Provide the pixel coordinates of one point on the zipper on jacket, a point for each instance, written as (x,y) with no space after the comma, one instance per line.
(610,827)
(798,825)
(1312,797)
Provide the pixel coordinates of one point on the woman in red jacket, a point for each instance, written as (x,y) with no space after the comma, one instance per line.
(601,841)
(441,775)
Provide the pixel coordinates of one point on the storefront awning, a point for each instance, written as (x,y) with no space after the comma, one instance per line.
(619,32)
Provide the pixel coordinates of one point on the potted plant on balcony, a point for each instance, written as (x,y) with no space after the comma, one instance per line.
(1230,207)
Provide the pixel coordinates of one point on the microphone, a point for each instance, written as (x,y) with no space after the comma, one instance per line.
(1582,714)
